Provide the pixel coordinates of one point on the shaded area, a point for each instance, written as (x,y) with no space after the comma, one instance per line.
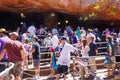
(11,21)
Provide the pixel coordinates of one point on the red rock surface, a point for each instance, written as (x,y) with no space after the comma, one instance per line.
(77,7)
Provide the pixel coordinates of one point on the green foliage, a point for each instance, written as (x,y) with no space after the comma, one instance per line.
(101,0)
(97,6)
(119,1)
(86,18)
(114,12)
(113,9)
(91,14)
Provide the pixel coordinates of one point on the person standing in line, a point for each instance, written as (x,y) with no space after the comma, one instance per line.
(16,54)
(48,43)
(84,53)
(25,36)
(55,41)
(27,47)
(13,35)
(78,32)
(92,52)
(36,57)
(32,29)
(3,39)
(64,57)
(116,41)
(111,52)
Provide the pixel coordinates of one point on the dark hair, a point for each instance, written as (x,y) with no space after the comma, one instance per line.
(109,38)
(84,42)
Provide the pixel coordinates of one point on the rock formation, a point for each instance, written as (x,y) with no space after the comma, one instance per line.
(75,7)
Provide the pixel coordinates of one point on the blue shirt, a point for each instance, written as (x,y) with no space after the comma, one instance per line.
(92,47)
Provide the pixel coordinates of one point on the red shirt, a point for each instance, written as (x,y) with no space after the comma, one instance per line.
(13,49)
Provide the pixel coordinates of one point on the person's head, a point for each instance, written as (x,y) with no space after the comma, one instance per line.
(3,32)
(82,28)
(114,35)
(108,38)
(49,35)
(28,33)
(84,41)
(79,41)
(65,33)
(63,39)
(90,38)
(78,28)
(74,33)
(13,35)
(27,40)
(35,39)
(90,30)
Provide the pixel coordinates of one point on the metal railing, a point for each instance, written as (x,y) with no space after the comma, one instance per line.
(4,74)
(84,67)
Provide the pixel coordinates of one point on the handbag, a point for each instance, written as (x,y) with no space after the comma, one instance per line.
(54,64)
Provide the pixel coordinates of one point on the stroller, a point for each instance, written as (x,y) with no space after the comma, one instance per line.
(5,68)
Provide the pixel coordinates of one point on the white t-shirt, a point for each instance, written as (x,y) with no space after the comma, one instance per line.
(64,58)
(32,30)
(55,41)
(24,36)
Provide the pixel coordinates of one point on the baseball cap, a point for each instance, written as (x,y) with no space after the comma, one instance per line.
(2,30)
(63,38)
(14,33)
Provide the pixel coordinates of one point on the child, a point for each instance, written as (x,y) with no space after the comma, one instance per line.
(27,47)
(53,62)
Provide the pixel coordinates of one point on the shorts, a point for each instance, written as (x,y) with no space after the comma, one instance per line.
(17,69)
(62,69)
(36,62)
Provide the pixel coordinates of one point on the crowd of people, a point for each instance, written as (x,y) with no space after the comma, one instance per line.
(17,46)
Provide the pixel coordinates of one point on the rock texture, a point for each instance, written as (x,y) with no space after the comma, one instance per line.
(76,7)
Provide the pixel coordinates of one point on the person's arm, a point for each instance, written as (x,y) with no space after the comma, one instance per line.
(23,54)
(110,50)
(32,50)
(2,53)
(96,50)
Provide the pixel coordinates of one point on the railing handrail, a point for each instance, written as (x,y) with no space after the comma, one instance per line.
(89,70)
(7,69)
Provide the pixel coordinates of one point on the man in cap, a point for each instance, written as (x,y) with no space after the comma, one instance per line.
(3,39)
(16,54)
(13,35)
(64,58)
